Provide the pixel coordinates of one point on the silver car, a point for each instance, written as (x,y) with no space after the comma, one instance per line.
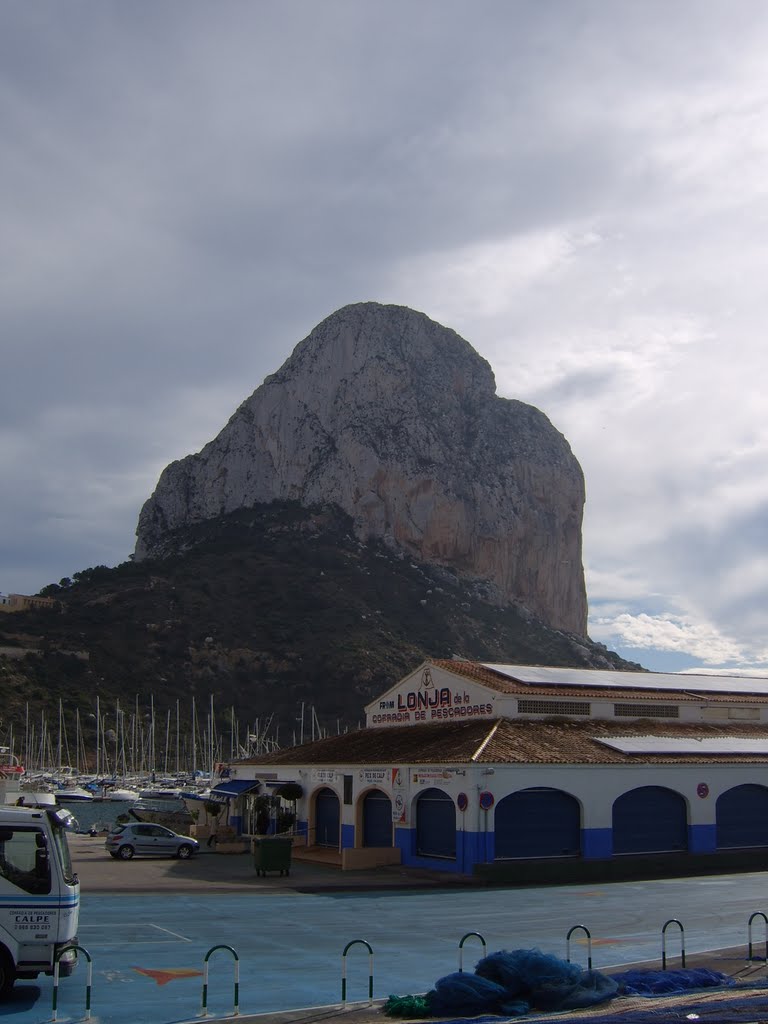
(124,841)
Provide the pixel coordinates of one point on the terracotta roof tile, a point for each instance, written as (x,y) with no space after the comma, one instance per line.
(413,744)
(511,741)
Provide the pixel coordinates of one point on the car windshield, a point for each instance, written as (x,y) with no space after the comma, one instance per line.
(118,829)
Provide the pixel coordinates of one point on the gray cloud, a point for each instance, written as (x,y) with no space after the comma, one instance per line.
(578,189)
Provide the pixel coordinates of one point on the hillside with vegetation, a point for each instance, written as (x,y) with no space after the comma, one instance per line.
(258,613)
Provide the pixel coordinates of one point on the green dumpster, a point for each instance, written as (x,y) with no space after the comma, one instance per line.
(272,853)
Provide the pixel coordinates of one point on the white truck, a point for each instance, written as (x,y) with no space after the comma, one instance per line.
(39,895)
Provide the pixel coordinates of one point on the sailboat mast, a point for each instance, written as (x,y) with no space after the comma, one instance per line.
(117,735)
(211,753)
(167,740)
(194,739)
(60,762)
(152,732)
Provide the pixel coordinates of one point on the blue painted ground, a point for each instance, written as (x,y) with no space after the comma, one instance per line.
(290,945)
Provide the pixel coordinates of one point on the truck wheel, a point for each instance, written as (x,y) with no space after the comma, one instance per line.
(125,852)
(184,852)
(7,973)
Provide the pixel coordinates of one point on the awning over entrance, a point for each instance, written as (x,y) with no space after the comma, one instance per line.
(235,787)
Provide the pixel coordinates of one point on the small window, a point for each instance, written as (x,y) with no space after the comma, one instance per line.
(553,707)
(348,789)
(24,859)
(646,710)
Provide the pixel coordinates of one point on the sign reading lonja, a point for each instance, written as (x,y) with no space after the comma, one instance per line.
(429,702)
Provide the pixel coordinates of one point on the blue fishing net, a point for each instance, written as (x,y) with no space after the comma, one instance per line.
(470,994)
(525,969)
(514,983)
(545,981)
(653,983)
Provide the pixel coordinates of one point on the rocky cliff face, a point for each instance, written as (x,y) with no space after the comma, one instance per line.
(395,418)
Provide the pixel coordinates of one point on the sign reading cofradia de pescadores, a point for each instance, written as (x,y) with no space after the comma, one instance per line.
(429,702)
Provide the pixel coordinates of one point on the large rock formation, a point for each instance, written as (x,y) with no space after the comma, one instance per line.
(396,419)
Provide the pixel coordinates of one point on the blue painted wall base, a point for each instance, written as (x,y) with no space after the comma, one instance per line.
(702,838)
(596,843)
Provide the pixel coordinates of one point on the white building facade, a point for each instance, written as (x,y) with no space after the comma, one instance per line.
(463,765)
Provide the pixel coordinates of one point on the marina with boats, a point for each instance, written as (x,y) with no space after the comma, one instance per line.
(97,803)
(116,774)
(131,761)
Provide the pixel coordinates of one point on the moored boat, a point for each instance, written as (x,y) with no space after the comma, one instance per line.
(173,815)
(122,795)
(160,794)
(36,798)
(73,794)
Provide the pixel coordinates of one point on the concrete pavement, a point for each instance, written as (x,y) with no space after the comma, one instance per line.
(235,872)
(292,941)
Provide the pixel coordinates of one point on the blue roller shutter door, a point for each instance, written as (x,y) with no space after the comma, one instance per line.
(377,819)
(742,817)
(435,825)
(537,823)
(327,816)
(650,819)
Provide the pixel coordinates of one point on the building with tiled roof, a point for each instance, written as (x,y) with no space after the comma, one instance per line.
(463,764)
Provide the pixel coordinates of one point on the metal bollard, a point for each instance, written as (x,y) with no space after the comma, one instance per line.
(579,927)
(204,1008)
(464,938)
(757,913)
(355,942)
(672,920)
(88,980)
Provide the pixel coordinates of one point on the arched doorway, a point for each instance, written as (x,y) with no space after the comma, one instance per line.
(435,824)
(741,814)
(650,819)
(377,819)
(537,822)
(327,818)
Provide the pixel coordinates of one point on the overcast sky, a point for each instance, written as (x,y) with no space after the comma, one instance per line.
(579,189)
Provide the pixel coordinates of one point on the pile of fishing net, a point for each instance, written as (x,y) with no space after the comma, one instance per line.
(514,983)
(511,984)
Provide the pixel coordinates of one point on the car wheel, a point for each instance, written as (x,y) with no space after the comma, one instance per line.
(7,974)
(184,852)
(125,852)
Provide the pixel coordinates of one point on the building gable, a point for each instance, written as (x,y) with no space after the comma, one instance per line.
(430,695)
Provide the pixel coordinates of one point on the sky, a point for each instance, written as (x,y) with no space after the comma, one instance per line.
(580,189)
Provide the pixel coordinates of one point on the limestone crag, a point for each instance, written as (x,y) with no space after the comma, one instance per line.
(396,419)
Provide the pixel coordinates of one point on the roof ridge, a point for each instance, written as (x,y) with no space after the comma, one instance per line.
(487,739)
